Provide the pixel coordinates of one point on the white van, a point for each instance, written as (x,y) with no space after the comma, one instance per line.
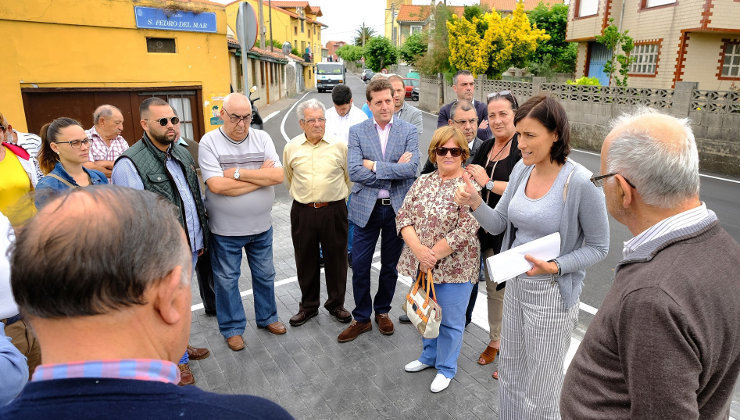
(329,75)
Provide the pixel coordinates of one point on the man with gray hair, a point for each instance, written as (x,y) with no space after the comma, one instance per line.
(103,276)
(463,83)
(318,180)
(240,168)
(664,343)
(107,143)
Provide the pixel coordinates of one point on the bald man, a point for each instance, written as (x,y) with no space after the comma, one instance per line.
(665,341)
(107,143)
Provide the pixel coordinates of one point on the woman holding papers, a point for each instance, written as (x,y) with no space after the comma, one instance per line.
(547,193)
(440,236)
(491,167)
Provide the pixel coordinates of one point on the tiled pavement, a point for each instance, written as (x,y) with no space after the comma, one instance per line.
(314,377)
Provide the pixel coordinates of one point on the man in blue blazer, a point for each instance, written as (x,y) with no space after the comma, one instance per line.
(382,157)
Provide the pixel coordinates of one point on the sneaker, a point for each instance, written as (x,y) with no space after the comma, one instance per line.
(440,383)
(416,366)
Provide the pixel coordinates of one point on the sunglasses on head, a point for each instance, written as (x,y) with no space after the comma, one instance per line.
(163,121)
(454,151)
(504,94)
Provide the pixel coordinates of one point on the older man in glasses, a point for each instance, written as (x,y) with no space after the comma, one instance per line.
(156,163)
(240,167)
(463,83)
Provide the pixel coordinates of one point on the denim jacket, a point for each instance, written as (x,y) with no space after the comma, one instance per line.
(49,187)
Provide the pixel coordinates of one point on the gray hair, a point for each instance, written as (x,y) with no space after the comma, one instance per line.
(460,73)
(309,104)
(96,250)
(666,173)
(104,111)
(463,105)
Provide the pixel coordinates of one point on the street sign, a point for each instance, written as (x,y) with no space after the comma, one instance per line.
(180,20)
(246,26)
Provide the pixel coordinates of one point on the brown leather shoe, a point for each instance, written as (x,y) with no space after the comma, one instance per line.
(186,375)
(235,342)
(301,317)
(385,325)
(276,328)
(197,353)
(354,329)
(341,314)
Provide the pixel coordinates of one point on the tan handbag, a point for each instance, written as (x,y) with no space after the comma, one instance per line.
(421,306)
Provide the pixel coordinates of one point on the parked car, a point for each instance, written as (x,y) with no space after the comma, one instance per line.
(415,94)
(367,74)
(410,85)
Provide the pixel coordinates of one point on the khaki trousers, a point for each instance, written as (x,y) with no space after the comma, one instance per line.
(495,300)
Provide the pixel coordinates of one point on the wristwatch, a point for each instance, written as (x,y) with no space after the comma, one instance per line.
(236,173)
(489,185)
(557,264)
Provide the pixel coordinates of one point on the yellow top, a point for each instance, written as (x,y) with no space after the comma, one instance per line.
(316,173)
(15,201)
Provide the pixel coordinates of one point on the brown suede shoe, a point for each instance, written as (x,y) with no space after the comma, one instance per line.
(301,317)
(354,329)
(276,328)
(197,353)
(186,375)
(385,325)
(235,342)
(341,314)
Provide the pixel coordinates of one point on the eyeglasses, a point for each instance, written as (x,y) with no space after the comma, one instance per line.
(504,94)
(454,151)
(315,121)
(163,121)
(236,119)
(599,180)
(76,144)
(473,121)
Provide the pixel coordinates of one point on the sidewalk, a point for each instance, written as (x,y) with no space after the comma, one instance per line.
(314,377)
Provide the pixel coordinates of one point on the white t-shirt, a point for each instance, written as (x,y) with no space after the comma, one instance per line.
(338,127)
(247,214)
(8,307)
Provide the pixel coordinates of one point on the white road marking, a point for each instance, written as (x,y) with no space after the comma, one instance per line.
(282,124)
(267,118)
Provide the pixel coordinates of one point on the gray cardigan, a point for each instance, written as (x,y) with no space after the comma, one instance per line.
(584,226)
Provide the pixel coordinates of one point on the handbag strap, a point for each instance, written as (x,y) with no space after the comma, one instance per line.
(430,286)
(64,181)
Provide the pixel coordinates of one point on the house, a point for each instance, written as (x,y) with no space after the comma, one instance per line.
(412,19)
(686,40)
(332,47)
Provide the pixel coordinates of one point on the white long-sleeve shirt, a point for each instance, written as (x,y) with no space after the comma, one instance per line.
(338,127)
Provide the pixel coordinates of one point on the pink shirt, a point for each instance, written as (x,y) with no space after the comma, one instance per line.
(383,133)
(101,151)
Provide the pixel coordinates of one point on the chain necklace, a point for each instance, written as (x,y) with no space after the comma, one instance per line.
(489,160)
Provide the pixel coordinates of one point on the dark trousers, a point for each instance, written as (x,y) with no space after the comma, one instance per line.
(320,228)
(204,272)
(382,220)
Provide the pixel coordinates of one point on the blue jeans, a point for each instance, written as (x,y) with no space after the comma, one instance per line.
(227,259)
(442,352)
(185,358)
(351,230)
(382,219)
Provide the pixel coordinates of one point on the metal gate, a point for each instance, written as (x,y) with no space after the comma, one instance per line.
(598,57)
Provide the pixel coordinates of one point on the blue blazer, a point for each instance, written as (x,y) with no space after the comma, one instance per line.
(364,143)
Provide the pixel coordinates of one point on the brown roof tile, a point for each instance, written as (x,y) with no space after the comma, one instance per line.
(413,13)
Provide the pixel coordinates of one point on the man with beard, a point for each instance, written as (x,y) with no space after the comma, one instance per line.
(156,163)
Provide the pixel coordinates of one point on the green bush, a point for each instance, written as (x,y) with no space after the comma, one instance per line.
(590,81)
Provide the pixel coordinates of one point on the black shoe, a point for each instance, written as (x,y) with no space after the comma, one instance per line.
(404,319)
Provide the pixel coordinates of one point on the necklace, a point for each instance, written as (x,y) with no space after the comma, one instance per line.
(493,169)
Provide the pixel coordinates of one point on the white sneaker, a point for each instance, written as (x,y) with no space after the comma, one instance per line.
(415,366)
(440,383)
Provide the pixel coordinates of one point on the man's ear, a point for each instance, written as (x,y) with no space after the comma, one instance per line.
(169,295)
(143,124)
(625,191)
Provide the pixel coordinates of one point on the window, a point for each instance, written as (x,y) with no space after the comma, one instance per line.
(731,59)
(160,45)
(295,30)
(645,59)
(309,33)
(415,29)
(587,7)
(655,3)
(301,26)
(182,108)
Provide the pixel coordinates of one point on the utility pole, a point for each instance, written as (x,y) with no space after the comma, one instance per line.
(269,12)
(362,34)
(262,26)
(393,24)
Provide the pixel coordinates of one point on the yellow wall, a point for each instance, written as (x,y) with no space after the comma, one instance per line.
(95,43)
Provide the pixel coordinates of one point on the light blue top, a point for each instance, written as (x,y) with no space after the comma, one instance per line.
(546,210)
(49,187)
(583,226)
(14,368)
(125,173)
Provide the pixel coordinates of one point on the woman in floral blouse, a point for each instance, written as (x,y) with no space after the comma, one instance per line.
(440,235)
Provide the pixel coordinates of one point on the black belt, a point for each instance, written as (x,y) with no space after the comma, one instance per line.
(384,201)
(12,319)
(320,205)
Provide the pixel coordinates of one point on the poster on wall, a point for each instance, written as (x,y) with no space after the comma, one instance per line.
(214,105)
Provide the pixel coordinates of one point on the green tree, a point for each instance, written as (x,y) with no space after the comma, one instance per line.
(562,54)
(350,53)
(379,53)
(614,40)
(414,48)
(437,58)
(363,35)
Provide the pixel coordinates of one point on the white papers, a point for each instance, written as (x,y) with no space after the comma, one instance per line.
(511,263)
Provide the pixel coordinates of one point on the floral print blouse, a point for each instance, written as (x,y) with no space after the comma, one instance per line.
(430,208)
